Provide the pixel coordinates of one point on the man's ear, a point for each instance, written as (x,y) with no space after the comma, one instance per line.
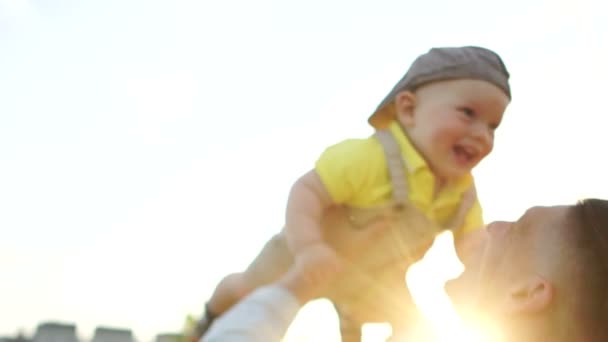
(405,102)
(531,295)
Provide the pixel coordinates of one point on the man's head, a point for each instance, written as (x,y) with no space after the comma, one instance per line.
(546,275)
(449,103)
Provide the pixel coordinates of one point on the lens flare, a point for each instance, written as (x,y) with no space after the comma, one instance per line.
(426,281)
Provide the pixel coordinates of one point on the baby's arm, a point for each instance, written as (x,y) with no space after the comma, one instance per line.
(473,234)
(342,172)
(307,201)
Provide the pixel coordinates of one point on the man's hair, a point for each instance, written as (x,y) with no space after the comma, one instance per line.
(590,235)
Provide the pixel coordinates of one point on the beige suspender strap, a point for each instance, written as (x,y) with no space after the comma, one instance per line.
(468,199)
(396,165)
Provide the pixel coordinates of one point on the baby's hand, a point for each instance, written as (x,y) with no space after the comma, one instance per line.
(317,264)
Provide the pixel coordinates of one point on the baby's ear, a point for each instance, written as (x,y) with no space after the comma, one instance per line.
(405,102)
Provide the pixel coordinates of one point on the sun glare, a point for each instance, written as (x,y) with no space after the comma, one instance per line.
(426,281)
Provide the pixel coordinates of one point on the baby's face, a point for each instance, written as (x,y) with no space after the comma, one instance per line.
(452,123)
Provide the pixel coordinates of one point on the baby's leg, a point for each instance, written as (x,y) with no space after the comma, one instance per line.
(350,327)
(271,263)
(227,293)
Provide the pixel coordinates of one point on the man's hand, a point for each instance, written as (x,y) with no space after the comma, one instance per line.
(318,264)
(350,242)
(315,267)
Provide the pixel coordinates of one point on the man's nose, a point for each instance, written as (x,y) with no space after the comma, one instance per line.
(498,227)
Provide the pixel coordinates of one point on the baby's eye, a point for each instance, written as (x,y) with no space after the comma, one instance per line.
(467,111)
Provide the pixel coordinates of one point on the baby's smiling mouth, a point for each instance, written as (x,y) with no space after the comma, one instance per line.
(466,154)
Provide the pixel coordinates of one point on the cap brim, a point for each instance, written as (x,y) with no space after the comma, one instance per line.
(381,118)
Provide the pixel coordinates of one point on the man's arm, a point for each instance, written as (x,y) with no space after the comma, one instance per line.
(266,314)
(263,316)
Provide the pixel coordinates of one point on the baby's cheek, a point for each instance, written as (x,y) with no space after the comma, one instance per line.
(447,136)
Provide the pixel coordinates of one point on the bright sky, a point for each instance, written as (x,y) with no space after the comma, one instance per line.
(147,147)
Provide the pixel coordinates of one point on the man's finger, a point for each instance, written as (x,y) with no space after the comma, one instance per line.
(375,228)
(379,226)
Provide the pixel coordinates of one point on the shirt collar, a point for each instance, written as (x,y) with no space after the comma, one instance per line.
(413,158)
(415,162)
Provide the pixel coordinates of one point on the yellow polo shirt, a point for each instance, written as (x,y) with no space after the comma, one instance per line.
(355,173)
